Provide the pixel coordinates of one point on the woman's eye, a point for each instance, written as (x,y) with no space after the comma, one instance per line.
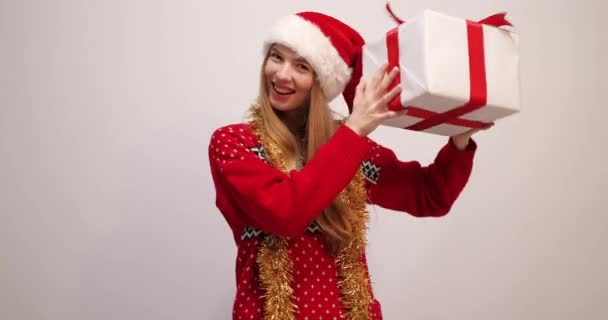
(275,56)
(303,67)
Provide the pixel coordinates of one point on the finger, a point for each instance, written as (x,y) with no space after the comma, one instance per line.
(389,96)
(379,75)
(472,132)
(394,114)
(359,91)
(388,79)
(488,126)
(360,87)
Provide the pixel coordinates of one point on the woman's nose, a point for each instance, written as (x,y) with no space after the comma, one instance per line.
(284,73)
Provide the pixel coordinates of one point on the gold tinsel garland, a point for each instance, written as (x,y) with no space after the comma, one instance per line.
(273,261)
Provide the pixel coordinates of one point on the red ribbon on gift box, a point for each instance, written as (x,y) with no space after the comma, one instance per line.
(477,73)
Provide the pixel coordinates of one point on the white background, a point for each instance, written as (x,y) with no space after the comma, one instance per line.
(107,205)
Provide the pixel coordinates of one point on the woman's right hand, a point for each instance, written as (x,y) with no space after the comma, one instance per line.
(370,105)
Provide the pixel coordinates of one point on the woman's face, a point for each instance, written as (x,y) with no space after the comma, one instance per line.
(289,78)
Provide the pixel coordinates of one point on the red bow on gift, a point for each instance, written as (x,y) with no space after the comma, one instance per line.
(496,20)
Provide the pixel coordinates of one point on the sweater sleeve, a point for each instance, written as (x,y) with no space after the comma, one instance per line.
(265,198)
(417,190)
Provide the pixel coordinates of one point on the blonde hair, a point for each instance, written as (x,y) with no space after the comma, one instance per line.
(336,220)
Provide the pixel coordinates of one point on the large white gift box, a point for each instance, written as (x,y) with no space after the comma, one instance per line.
(455,74)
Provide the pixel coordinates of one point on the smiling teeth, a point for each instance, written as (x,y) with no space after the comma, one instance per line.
(282,91)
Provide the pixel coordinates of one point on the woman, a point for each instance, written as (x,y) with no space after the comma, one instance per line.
(293,183)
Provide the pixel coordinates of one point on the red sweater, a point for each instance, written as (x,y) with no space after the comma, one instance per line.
(255,198)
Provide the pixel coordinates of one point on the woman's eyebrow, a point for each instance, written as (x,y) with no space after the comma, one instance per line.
(297,58)
(301,60)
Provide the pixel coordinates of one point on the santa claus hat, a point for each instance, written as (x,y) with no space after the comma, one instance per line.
(332,48)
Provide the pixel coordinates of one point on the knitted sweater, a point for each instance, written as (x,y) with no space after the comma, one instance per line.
(256,198)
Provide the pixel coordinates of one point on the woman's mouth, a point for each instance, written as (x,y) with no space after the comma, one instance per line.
(282,90)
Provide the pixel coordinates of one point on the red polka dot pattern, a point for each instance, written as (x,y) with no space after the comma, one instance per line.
(314,281)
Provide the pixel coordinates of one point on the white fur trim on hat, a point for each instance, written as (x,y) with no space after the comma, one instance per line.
(311,43)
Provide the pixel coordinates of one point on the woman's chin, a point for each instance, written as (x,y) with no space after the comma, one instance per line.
(284,106)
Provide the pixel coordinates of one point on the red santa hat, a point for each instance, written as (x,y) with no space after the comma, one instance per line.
(332,48)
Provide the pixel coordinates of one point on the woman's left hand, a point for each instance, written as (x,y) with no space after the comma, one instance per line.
(461,141)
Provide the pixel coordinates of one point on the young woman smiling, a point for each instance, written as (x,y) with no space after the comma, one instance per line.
(293,182)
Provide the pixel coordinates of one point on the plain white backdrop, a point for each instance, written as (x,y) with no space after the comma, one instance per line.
(107,205)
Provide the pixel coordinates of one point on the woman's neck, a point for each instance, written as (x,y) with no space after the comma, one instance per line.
(295,121)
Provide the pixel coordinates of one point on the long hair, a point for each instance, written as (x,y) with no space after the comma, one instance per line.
(334,221)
